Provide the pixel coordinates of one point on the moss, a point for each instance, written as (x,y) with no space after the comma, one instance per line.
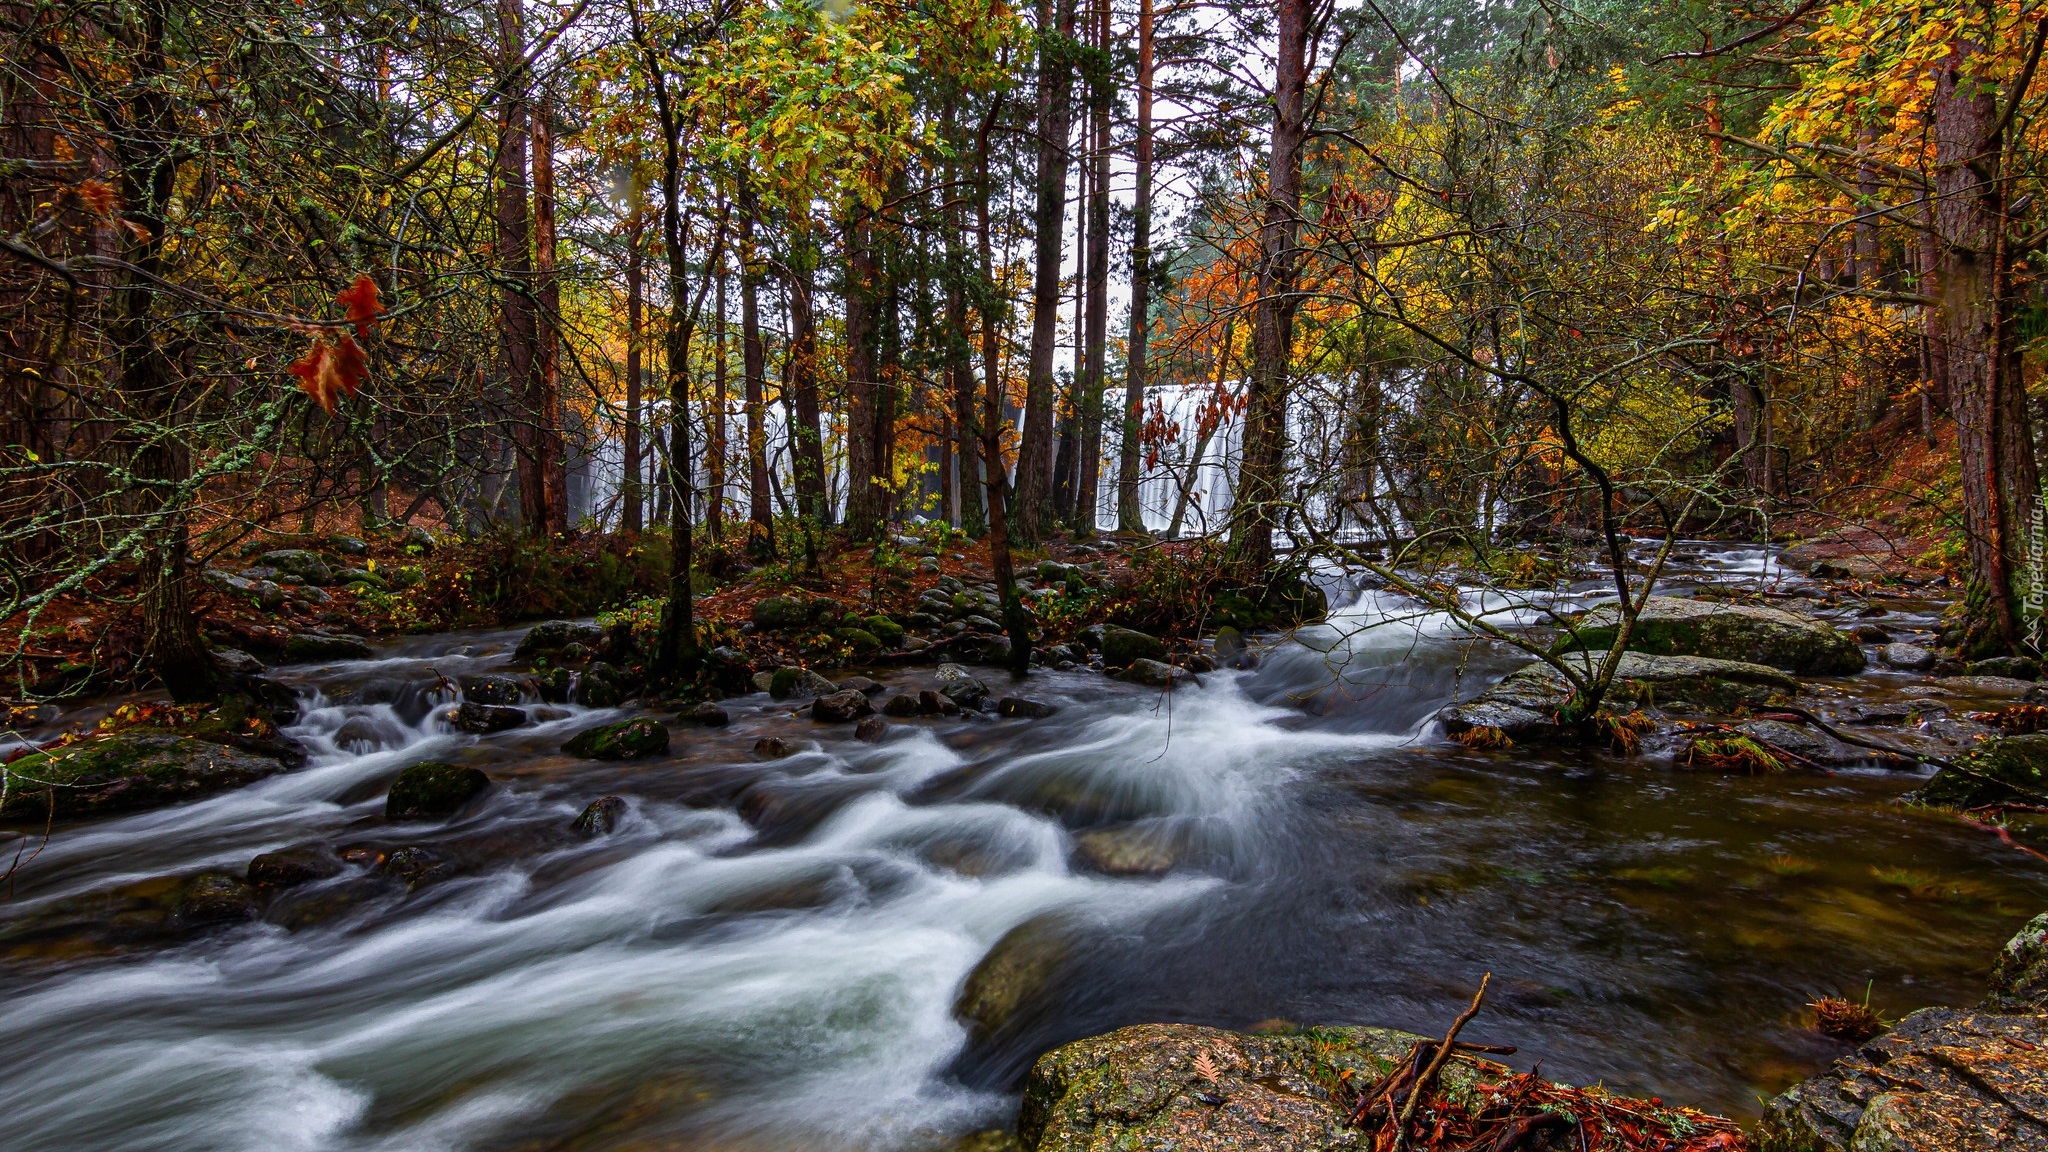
(888,631)
(126,772)
(2018,761)
(1122,647)
(626,740)
(860,639)
(433,790)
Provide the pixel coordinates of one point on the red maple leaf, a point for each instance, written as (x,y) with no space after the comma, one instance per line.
(330,369)
(360,298)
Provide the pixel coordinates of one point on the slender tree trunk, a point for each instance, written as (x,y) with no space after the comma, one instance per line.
(1265,434)
(1034,507)
(754,362)
(1187,486)
(866,497)
(1130,513)
(516,330)
(807,439)
(1101,91)
(630,491)
(1986,394)
(714,509)
(546,404)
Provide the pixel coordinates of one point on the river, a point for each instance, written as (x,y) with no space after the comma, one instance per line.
(766,953)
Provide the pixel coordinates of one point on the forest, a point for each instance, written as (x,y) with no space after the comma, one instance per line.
(1214,452)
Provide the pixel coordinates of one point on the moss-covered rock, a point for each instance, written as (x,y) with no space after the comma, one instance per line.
(2019,977)
(601,817)
(1671,626)
(2003,768)
(798,682)
(1198,1089)
(554,635)
(127,772)
(777,613)
(1525,705)
(1018,972)
(307,566)
(625,740)
(433,790)
(291,866)
(860,640)
(313,647)
(888,631)
(1123,646)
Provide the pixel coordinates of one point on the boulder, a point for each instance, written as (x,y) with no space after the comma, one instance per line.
(625,740)
(486,718)
(872,730)
(1126,851)
(289,866)
(2019,977)
(311,647)
(1751,634)
(307,566)
(931,702)
(1023,708)
(887,630)
(126,772)
(601,817)
(2006,667)
(707,714)
(2000,769)
(433,790)
(1232,650)
(860,640)
(901,704)
(557,634)
(1122,646)
(349,545)
(841,707)
(553,684)
(959,687)
(237,663)
(1154,673)
(595,692)
(801,683)
(214,898)
(773,748)
(1524,705)
(490,689)
(777,613)
(1018,972)
(1987,685)
(862,684)
(1907,657)
(983,648)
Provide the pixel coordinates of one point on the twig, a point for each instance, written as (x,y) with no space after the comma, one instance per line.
(1436,1062)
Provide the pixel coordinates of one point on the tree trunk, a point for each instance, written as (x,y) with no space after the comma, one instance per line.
(1985,389)
(866,493)
(545,403)
(1087,490)
(1265,433)
(807,441)
(629,491)
(754,362)
(1034,507)
(1130,514)
(714,505)
(516,330)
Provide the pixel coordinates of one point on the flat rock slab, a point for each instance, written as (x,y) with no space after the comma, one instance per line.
(1673,626)
(1944,1080)
(127,772)
(1524,706)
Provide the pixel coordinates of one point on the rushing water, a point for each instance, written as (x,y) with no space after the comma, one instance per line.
(766,954)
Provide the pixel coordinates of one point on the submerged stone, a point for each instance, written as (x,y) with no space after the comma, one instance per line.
(1024,708)
(485,718)
(840,707)
(707,714)
(601,817)
(625,740)
(1751,634)
(290,866)
(433,790)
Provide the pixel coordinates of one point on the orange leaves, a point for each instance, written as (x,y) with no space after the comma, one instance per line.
(360,298)
(98,199)
(334,365)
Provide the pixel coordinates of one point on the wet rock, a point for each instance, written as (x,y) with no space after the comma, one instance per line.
(215,898)
(236,662)
(1870,634)
(777,613)
(625,740)
(287,867)
(957,685)
(887,630)
(1232,650)
(981,623)
(1154,673)
(349,545)
(601,817)
(1024,708)
(1751,634)
(706,714)
(1907,657)
(773,748)
(490,689)
(307,566)
(860,640)
(901,704)
(596,692)
(2007,667)
(982,648)
(2019,977)
(1018,973)
(485,718)
(861,684)
(931,702)
(557,634)
(1987,685)
(310,647)
(416,866)
(433,790)
(1195,1089)
(1524,705)
(1127,851)
(553,685)
(801,683)
(1122,646)
(127,772)
(872,730)
(2002,769)
(1810,744)
(841,707)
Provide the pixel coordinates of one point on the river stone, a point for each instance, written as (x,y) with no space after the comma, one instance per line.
(601,817)
(780,612)
(841,707)
(309,647)
(958,686)
(553,685)
(931,702)
(595,692)
(127,772)
(1525,704)
(307,566)
(1942,1080)
(2019,977)
(485,718)
(1126,851)
(773,748)
(1987,685)
(1024,708)
(888,631)
(490,689)
(1812,744)
(872,730)
(801,683)
(862,684)
(557,634)
(1020,970)
(1139,1088)
(289,866)
(901,704)
(707,714)
(2009,667)
(860,640)
(215,898)
(982,648)
(1154,673)
(1751,634)
(1907,657)
(433,790)
(2018,761)
(1122,646)
(625,740)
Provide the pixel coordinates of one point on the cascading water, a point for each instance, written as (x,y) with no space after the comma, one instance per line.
(766,954)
